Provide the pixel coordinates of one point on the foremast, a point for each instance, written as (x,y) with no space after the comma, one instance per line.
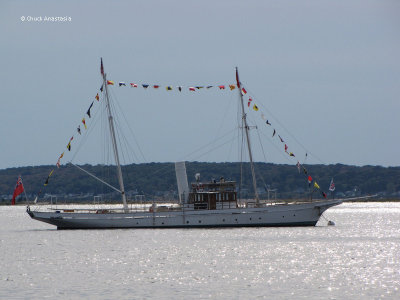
(246,129)
(113,139)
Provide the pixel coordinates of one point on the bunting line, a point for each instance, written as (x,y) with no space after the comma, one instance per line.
(316,186)
(250,104)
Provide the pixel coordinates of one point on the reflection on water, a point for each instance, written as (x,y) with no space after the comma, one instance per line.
(358,258)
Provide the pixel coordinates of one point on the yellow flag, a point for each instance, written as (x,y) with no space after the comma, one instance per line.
(255,107)
(232,86)
(47,180)
(316,185)
(84,123)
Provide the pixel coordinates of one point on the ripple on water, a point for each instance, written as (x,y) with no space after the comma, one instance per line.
(358,258)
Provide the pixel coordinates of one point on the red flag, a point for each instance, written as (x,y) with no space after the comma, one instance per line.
(286,147)
(221,87)
(19,188)
(192,89)
(101,67)
(244,91)
(309,179)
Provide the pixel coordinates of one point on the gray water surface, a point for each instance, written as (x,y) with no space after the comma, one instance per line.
(359,258)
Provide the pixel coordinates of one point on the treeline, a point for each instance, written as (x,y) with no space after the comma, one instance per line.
(154,179)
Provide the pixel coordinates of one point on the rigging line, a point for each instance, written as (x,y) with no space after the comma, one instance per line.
(231,147)
(75,151)
(127,145)
(122,138)
(283,126)
(131,131)
(242,146)
(104,148)
(305,158)
(95,177)
(123,142)
(208,144)
(119,132)
(215,148)
(265,159)
(134,153)
(262,148)
(86,135)
(276,147)
(225,114)
(268,138)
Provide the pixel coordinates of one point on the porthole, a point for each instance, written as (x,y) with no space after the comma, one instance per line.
(259,218)
(199,221)
(250,219)
(187,222)
(223,220)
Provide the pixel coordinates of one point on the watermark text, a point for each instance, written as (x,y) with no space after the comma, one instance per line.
(49,19)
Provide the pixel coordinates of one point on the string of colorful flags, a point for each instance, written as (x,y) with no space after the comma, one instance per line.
(300,167)
(133,85)
(69,144)
(179,88)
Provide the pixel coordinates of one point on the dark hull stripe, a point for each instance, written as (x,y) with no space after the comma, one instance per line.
(293,224)
(296,224)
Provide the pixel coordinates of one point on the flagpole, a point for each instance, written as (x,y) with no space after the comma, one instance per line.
(246,128)
(113,139)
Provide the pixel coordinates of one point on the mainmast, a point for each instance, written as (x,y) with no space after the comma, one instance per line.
(246,129)
(113,139)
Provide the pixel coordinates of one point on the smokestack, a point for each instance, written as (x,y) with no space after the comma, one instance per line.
(181,178)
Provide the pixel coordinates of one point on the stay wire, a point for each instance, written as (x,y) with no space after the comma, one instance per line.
(283,126)
(133,134)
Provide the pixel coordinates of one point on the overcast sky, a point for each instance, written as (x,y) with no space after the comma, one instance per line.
(325,73)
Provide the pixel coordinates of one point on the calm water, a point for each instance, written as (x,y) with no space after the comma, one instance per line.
(359,258)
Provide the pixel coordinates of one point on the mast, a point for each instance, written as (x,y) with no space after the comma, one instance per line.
(246,128)
(113,139)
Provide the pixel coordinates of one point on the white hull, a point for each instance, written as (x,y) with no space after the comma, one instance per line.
(300,214)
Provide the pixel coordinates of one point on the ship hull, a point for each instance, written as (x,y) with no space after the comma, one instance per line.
(302,214)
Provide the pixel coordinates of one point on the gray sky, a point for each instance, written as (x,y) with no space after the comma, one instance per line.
(328,71)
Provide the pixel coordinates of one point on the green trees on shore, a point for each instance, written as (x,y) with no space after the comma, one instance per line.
(156,179)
